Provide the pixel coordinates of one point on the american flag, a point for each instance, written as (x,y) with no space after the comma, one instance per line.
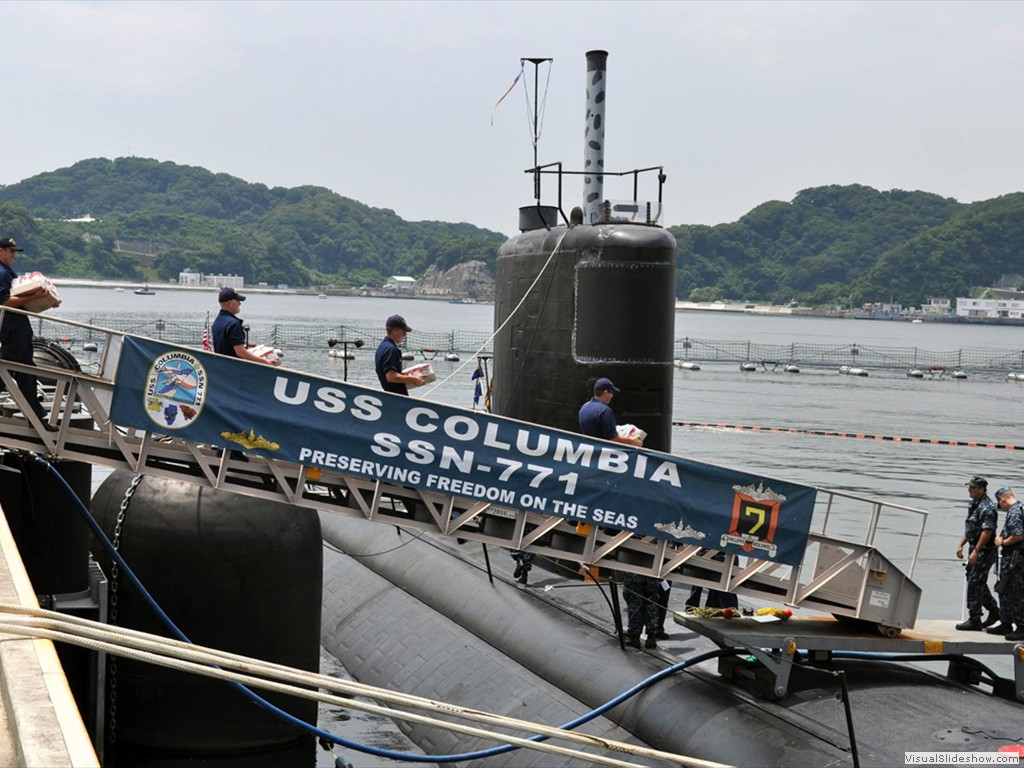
(207,344)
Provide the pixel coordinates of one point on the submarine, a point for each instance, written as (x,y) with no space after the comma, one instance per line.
(580,296)
(426,616)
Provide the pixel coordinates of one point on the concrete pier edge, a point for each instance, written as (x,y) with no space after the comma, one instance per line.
(40,725)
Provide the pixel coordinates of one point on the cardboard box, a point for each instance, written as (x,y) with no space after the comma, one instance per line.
(426,370)
(267,352)
(32,282)
(629,430)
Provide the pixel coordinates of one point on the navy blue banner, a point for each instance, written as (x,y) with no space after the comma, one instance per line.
(322,423)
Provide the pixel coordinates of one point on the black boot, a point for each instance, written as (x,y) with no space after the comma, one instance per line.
(973,624)
(650,642)
(1016,636)
(1002,628)
(633,641)
(993,618)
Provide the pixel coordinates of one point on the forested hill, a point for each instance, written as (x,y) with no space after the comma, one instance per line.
(832,245)
(839,245)
(218,223)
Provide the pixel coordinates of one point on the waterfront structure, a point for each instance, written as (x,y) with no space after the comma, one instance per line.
(400,284)
(198,279)
(1007,305)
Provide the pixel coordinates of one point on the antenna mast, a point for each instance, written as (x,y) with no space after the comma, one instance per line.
(536,117)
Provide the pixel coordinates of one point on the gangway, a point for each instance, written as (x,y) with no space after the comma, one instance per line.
(844,575)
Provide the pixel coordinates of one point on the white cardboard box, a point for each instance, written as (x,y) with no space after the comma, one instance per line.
(426,370)
(629,430)
(32,282)
(267,352)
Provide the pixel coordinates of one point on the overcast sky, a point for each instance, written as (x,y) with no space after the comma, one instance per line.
(390,103)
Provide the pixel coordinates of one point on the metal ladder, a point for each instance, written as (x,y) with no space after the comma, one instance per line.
(844,575)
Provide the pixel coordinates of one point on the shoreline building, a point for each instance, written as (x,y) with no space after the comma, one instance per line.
(198,280)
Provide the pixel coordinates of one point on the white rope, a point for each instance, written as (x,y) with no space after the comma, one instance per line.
(508,319)
(191,658)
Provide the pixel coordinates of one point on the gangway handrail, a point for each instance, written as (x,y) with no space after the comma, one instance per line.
(875,519)
(847,578)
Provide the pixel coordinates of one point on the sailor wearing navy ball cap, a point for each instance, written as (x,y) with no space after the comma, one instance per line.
(1011,601)
(228,331)
(388,360)
(597,418)
(979,533)
(16,331)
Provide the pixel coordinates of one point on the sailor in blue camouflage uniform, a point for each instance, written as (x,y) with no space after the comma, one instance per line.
(980,533)
(1012,597)
(641,594)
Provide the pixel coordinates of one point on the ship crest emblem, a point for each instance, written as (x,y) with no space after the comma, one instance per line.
(755,518)
(175,390)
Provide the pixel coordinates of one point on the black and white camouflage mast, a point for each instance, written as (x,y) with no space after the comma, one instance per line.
(593,138)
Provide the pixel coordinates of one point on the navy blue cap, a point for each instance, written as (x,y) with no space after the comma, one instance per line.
(605,385)
(8,242)
(977,482)
(397,321)
(227,294)
(1002,491)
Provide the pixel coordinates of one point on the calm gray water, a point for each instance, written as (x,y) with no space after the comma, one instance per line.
(982,408)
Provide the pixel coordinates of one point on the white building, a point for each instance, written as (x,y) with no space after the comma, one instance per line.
(937,306)
(994,307)
(400,284)
(198,279)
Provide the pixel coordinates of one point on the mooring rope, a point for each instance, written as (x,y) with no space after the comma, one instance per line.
(210,662)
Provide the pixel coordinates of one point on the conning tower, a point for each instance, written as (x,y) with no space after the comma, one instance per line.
(597,296)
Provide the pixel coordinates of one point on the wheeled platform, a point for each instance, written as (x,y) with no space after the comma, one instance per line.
(776,644)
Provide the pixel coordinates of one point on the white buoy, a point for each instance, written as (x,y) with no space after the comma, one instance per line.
(958,374)
(408,356)
(90,346)
(686,365)
(792,368)
(748,367)
(915,373)
(851,370)
(451,357)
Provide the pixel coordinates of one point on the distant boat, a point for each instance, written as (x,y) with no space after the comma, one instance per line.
(321,296)
(119,290)
(462,301)
(145,291)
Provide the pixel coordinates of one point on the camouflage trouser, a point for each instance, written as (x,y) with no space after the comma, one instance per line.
(641,594)
(1011,602)
(978,593)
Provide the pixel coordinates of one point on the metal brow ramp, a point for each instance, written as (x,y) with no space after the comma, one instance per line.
(842,571)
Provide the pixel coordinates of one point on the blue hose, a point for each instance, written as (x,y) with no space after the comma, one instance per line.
(98,532)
